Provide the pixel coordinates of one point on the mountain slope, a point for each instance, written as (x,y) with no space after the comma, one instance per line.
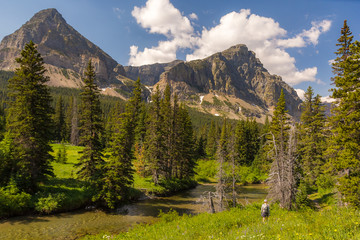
(65,51)
(235,79)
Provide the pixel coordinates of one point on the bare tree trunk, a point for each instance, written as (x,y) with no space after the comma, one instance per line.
(282,177)
(211,204)
(74,136)
(233,168)
(220,188)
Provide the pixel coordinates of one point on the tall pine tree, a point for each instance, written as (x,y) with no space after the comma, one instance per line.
(119,168)
(344,147)
(155,142)
(343,52)
(184,145)
(91,162)
(312,138)
(59,120)
(29,119)
(212,140)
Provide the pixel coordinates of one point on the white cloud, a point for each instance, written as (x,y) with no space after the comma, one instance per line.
(297,41)
(235,28)
(327,99)
(193,16)
(165,52)
(317,28)
(160,16)
(331,61)
(262,35)
(306,37)
(300,93)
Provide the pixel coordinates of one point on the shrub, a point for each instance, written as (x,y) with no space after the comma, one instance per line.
(169,216)
(13,202)
(206,169)
(302,200)
(325,182)
(50,204)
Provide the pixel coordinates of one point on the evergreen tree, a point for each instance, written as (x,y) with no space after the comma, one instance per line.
(2,121)
(139,150)
(61,156)
(8,165)
(29,119)
(68,119)
(119,169)
(344,147)
(154,143)
(167,127)
(241,143)
(312,138)
(184,146)
(211,145)
(59,120)
(74,129)
(343,52)
(261,160)
(200,145)
(247,141)
(91,127)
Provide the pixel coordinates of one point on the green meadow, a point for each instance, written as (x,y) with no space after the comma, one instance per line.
(246,223)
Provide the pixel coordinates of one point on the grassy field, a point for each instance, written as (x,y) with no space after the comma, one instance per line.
(246,223)
(72,193)
(66,170)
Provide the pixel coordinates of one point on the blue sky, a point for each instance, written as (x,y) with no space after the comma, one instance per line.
(293,39)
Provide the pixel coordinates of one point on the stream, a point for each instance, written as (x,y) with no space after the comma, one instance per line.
(74,224)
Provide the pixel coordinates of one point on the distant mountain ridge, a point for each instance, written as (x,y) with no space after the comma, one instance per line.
(235,72)
(232,83)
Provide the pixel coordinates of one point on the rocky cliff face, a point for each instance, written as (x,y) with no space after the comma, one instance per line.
(65,51)
(234,72)
(149,74)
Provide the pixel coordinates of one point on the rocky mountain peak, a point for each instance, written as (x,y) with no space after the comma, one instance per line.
(47,15)
(234,73)
(65,51)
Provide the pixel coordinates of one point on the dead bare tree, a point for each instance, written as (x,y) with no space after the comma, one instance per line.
(74,135)
(220,187)
(208,199)
(283,176)
(232,156)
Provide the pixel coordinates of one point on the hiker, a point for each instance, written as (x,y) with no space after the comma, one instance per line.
(265,210)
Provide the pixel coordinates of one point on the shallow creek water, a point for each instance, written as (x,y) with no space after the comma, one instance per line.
(79,223)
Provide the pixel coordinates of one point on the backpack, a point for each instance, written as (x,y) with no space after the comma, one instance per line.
(265,209)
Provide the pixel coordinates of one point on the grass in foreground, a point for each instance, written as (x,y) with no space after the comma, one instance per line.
(246,223)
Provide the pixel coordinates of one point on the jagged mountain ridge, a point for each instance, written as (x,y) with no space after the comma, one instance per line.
(235,73)
(64,50)
(149,74)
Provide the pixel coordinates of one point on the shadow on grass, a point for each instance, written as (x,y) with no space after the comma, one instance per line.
(64,182)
